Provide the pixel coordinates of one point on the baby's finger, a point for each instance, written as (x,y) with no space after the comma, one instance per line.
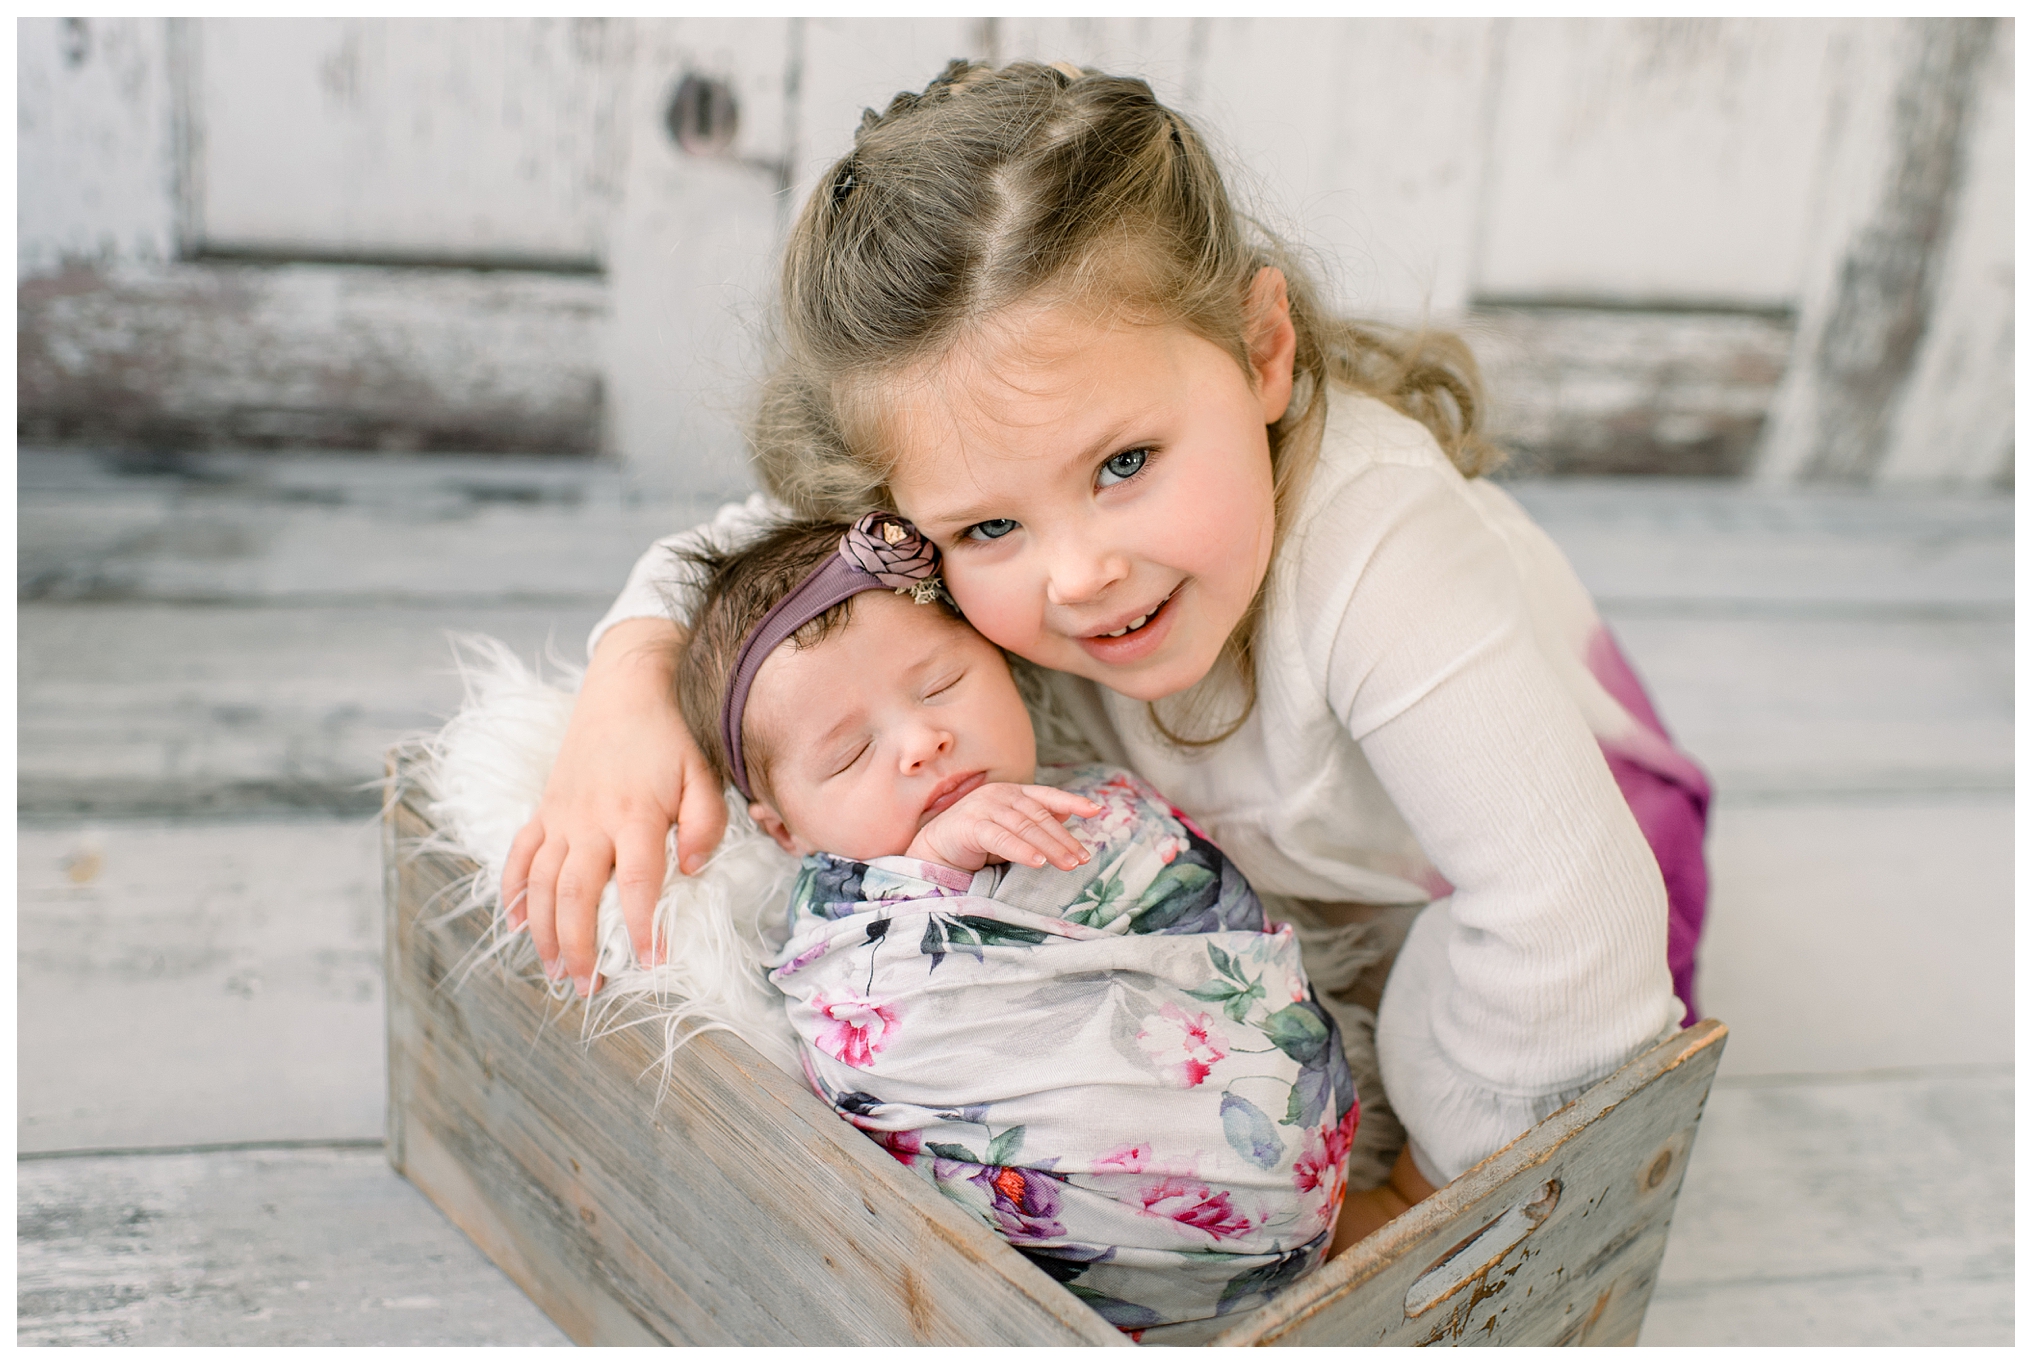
(1054,838)
(638,875)
(1045,836)
(515,874)
(1063,803)
(998,840)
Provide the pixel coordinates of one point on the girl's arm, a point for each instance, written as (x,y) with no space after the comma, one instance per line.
(627,771)
(1546,969)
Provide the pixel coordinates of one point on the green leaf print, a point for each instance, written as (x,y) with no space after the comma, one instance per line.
(1296,1031)
(1003,1149)
(1223,963)
(1235,994)
(946,1150)
(995,933)
(1098,903)
(1266,1279)
(1177,889)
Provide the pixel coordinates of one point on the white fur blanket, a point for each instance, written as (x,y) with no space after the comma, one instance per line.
(482,776)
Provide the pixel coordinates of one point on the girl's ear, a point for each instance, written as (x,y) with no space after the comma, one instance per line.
(771,823)
(1273,341)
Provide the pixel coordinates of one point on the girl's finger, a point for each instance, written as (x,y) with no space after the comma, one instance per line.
(540,899)
(701,820)
(579,883)
(638,875)
(515,874)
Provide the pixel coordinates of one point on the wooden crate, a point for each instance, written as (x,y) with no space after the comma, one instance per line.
(742,1210)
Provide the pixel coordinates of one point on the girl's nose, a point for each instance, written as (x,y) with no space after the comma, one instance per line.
(1080,575)
(923,745)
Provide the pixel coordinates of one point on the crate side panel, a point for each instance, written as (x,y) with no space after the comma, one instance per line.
(740,1208)
(1582,1276)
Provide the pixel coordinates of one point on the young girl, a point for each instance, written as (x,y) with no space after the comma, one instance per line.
(1244,544)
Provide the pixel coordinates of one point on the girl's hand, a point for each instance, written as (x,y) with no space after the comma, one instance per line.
(628,770)
(1004,822)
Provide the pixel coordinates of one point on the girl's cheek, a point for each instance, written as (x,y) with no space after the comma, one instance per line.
(998,615)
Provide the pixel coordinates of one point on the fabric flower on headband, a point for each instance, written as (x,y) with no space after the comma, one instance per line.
(894,553)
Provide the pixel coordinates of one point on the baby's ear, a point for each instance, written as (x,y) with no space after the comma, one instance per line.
(771,823)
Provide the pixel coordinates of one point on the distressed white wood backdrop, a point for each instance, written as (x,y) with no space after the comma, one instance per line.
(1431,165)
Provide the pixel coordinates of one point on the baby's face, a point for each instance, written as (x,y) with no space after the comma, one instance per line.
(881,726)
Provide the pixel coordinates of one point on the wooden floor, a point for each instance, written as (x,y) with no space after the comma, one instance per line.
(213,657)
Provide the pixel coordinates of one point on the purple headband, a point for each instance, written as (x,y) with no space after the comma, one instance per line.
(879,550)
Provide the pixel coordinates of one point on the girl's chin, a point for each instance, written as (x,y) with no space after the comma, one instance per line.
(1151,679)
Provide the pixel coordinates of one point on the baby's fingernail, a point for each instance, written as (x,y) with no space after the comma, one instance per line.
(582,985)
(691,864)
(554,969)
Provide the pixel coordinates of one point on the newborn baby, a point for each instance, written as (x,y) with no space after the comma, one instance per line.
(1086,1034)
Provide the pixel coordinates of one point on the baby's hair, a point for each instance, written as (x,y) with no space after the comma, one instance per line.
(1049,182)
(736,589)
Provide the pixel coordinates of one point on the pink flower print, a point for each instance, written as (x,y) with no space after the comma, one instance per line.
(1131,1159)
(905,1146)
(1186,1047)
(1323,1164)
(858,1027)
(1194,1205)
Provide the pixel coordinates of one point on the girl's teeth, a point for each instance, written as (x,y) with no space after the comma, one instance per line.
(1135,624)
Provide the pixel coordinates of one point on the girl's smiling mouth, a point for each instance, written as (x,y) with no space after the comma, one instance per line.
(1136,638)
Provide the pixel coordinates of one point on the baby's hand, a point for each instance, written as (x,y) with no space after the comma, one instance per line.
(1004,822)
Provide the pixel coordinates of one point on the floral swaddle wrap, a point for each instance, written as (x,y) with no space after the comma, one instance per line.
(1118,1069)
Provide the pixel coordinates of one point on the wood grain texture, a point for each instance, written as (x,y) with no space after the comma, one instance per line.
(1582,1276)
(739,1210)
(320,1246)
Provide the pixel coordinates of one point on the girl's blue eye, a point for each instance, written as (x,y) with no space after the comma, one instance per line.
(990,530)
(1123,467)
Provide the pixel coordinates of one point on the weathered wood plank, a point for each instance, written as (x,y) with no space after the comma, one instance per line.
(149,709)
(1716,546)
(189,354)
(1863,1209)
(1793,708)
(740,1209)
(323,1246)
(183,985)
(1815,906)
(1581,1270)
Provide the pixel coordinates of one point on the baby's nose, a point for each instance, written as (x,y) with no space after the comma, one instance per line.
(925,746)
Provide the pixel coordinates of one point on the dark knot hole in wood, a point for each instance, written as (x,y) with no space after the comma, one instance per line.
(1660,1168)
(703,115)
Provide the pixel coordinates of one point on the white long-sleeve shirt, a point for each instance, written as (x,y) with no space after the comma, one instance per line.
(1425,718)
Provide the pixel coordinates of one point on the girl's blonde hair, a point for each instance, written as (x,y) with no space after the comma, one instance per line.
(994,187)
